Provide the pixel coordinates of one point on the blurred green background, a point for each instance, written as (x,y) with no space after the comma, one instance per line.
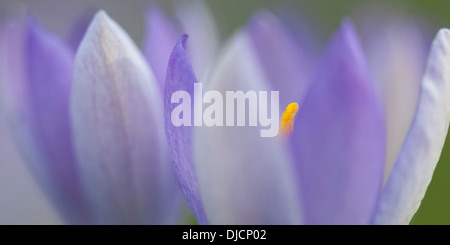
(323,16)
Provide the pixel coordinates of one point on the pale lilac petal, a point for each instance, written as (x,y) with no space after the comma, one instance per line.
(79,27)
(397,52)
(196,21)
(243,178)
(422,148)
(37,70)
(286,63)
(118,130)
(22,202)
(339,137)
(159,40)
(181,77)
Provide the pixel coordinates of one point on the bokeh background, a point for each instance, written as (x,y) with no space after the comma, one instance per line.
(321,16)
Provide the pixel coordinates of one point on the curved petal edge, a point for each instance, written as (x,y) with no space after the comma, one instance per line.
(412,173)
(181,77)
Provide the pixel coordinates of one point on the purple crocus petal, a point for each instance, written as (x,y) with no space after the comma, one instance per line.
(37,70)
(396,51)
(79,27)
(339,137)
(420,153)
(286,64)
(181,77)
(160,37)
(117,121)
(195,20)
(243,178)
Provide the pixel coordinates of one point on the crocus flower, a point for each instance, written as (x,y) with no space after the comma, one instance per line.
(90,124)
(329,166)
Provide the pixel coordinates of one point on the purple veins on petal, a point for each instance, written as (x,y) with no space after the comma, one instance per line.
(181,77)
(117,121)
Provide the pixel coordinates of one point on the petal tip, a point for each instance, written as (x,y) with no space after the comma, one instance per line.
(181,44)
(262,15)
(262,20)
(106,31)
(101,15)
(347,31)
(347,24)
(444,33)
(101,20)
(153,9)
(183,40)
(346,42)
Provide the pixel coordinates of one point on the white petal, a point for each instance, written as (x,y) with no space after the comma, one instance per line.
(397,54)
(243,178)
(420,153)
(118,128)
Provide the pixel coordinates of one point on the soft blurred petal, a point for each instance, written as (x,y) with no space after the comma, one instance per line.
(79,27)
(197,22)
(422,148)
(243,178)
(38,70)
(118,127)
(286,64)
(181,77)
(339,137)
(160,38)
(21,202)
(397,53)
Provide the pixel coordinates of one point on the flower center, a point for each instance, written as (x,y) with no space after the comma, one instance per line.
(287,120)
